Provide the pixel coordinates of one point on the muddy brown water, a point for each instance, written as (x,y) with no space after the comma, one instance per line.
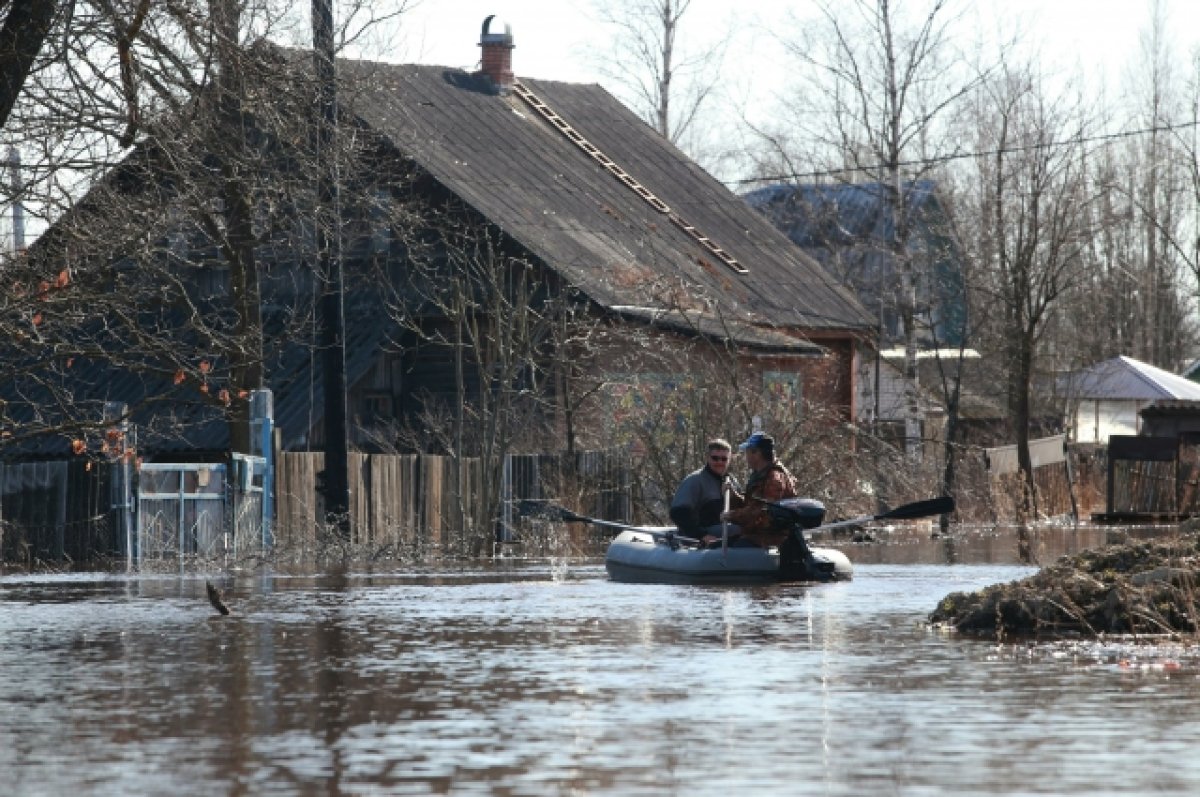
(544,678)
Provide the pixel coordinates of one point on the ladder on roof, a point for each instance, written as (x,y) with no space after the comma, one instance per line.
(596,154)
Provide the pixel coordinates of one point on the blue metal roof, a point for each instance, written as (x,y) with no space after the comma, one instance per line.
(820,215)
(850,230)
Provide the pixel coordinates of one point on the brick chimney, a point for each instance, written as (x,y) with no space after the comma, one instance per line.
(497,43)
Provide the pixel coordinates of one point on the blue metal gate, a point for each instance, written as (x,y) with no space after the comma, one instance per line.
(207,509)
(181,509)
(202,509)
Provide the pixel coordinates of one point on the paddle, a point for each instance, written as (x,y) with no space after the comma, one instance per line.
(725,488)
(534,508)
(917,509)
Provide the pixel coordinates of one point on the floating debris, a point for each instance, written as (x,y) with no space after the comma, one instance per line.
(214,597)
(1142,588)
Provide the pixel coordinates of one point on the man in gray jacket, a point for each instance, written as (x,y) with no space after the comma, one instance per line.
(697,505)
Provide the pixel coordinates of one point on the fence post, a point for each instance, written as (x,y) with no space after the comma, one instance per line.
(1178,491)
(504,533)
(262,422)
(1070,480)
(120,484)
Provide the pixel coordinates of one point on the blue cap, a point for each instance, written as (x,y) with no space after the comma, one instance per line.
(755,440)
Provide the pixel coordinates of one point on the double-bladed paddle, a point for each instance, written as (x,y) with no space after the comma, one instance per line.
(917,509)
(542,509)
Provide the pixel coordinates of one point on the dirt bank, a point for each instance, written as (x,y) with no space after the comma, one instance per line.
(1134,588)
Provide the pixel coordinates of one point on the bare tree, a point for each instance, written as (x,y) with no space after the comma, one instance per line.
(25,29)
(669,77)
(1029,206)
(470,297)
(171,151)
(879,84)
(1152,184)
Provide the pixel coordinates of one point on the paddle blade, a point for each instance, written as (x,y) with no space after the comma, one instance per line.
(533,508)
(931,506)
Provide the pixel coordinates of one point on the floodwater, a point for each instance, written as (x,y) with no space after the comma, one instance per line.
(543,678)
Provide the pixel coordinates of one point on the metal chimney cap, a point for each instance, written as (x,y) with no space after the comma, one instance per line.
(489,36)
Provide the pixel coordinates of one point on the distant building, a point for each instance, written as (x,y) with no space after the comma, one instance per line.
(1107,398)
(848,228)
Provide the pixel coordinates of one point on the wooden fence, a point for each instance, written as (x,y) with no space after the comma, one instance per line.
(54,511)
(424,503)
(1054,479)
(406,502)
(400,504)
(1152,478)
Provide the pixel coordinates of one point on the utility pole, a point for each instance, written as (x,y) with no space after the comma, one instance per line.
(18,209)
(336,482)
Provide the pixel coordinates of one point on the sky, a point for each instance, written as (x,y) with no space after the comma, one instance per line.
(552,35)
(563,40)
(1090,40)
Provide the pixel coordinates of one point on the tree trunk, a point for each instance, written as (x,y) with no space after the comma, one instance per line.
(246,371)
(25,30)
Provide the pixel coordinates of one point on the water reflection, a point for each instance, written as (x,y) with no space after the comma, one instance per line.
(545,678)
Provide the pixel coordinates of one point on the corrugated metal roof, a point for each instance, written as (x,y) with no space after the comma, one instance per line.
(849,229)
(1126,378)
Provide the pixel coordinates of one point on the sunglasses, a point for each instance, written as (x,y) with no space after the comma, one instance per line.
(718,458)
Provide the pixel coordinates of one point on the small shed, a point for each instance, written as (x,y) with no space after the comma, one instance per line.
(1107,398)
(1172,418)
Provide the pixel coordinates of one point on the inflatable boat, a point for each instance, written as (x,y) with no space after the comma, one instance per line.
(661,555)
(656,556)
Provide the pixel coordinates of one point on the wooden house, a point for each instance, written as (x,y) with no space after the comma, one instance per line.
(575,198)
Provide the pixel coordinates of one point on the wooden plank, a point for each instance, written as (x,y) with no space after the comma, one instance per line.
(360,512)
(393,505)
(298,507)
(432,476)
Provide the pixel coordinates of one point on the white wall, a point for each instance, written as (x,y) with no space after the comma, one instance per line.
(1096,420)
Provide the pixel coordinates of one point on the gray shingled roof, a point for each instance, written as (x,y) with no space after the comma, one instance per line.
(522,174)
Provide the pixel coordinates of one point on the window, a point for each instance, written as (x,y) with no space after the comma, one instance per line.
(377,409)
(783,393)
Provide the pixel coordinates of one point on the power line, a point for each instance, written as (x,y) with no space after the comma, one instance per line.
(975,154)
